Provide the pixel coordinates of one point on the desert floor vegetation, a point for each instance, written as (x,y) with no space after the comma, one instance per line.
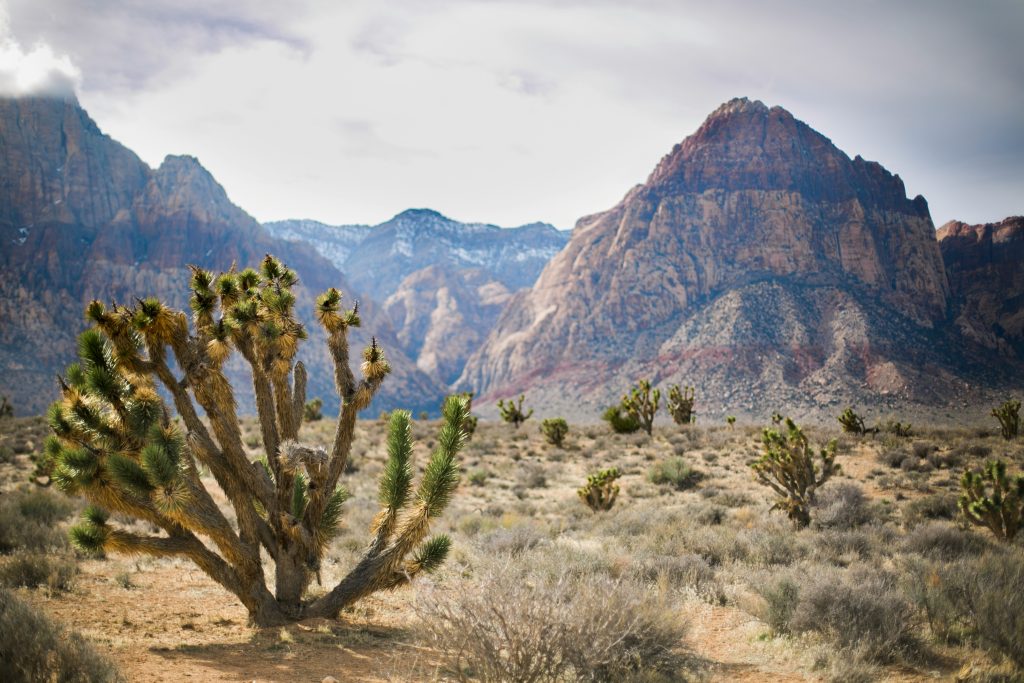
(687,577)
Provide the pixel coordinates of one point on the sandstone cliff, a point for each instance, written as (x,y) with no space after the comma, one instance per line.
(757,261)
(81,217)
(985,266)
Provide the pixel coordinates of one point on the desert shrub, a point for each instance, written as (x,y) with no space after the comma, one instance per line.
(28,520)
(33,648)
(860,607)
(772,546)
(514,624)
(922,449)
(689,572)
(841,546)
(976,599)
(932,506)
(477,477)
(6,454)
(673,471)
(841,505)
(780,595)
(531,476)
(510,542)
(892,457)
(944,541)
(32,570)
(620,420)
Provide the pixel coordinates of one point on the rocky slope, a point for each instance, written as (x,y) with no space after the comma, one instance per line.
(758,262)
(81,217)
(985,266)
(443,282)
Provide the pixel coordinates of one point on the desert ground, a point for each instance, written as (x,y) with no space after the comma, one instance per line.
(719,587)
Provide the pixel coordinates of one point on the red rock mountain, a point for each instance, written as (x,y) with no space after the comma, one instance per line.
(758,262)
(82,217)
(985,266)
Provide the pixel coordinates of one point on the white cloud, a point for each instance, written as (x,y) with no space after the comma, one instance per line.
(38,71)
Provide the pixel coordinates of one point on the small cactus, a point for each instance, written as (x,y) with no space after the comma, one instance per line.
(680,404)
(554,430)
(311,412)
(787,467)
(642,403)
(991,499)
(513,413)
(852,422)
(1008,415)
(600,491)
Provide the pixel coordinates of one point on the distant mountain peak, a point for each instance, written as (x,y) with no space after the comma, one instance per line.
(739,105)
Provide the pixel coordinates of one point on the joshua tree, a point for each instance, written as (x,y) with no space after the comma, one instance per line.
(642,404)
(620,420)
(6,409)
(554,430)
(730,420)
(680,404)
(600,491)
(1008,415)
(993,500)
(115,442)
(311,413)
(777,418)
(852,422)
(512,413)
(787,466)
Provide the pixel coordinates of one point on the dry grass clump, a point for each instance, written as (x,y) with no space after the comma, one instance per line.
(33,648)
(32,570)
(29,517)
(861,607)
(526,620)
(976,599)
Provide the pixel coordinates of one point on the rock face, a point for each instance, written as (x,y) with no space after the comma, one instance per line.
(757,261)
(445,282)
(985,266)
(82,217)
(442,316)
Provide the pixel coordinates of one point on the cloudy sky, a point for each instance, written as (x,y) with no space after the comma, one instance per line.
(511,112)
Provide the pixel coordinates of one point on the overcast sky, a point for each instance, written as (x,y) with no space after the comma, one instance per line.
(511,112)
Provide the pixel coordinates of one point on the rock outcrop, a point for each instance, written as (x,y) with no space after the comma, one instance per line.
(445,282)
(985,267)
(82,217)
(757,261)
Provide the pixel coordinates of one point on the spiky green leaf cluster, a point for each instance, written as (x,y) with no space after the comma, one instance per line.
(1008,415)
(512,412)
(680,404)
(852,422)
(600,491)
(641,403)
(555,430)
(993,500)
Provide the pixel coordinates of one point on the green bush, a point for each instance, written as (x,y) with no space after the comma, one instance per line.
(28,520)
(33,648)
(673,471)
(620,420)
